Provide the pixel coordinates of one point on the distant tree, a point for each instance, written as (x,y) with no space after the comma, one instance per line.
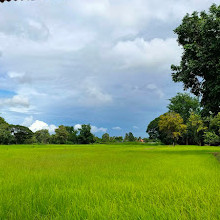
(72,135)
(131,137)
(98,140)
(118,139)
(42,136)
(105,138)
(153,129)
(172,125)
(126,138)
(61,135)
(196,128)
(184,104)
(199,69)
(21,134)
(85,135)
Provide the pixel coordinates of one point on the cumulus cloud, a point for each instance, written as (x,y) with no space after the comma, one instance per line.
(77,127)
(28,121)
(39,125)
(15,101)
(116,128)
(141,53)
(94,129)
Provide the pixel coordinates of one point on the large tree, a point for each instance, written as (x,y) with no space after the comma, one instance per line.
(199,69)
(85,135)
(156,134)
(42,136)
(61,135)
(172,125)
(184,104)
(72,135)
(21,134)
(153,129)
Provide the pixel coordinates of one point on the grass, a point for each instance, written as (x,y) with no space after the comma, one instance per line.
(109,182)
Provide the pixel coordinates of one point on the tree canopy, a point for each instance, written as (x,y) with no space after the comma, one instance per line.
(172,124)
(199,69)
(184,104)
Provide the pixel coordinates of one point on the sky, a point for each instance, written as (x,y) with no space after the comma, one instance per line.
(99,62)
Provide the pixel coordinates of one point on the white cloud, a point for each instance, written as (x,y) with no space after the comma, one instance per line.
(116,128)
(39,125)
(141,53)
(135,127)
(28,121)
(15,101)
(77,127)
(94,129)
(15,74)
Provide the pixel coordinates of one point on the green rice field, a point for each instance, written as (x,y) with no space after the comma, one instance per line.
(109,182)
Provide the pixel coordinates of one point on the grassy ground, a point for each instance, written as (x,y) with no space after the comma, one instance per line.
(109,182)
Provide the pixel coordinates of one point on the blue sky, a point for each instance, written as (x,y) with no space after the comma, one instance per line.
(103,62)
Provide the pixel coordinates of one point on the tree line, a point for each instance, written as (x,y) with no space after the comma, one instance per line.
(185,124)
(17,134)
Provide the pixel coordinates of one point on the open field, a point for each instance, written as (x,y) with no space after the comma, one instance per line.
(109,182)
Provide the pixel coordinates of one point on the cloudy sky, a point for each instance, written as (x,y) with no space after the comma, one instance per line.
(103,62)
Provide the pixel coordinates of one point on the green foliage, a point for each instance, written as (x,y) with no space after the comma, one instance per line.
(61,135)
(215,124)
(85,135)
(196,128)
(2,121)
(72,135)
(5,134)
(184,104)
(42,136)
(211,138)
(199,69)
(116,139)
(105,138)
(172,125)
(21,133)
(153,129)
(129,137)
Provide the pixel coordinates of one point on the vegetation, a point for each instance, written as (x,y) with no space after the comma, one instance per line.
(199,68)
(184,104)
(171,124)
(109,182)
(185,124)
